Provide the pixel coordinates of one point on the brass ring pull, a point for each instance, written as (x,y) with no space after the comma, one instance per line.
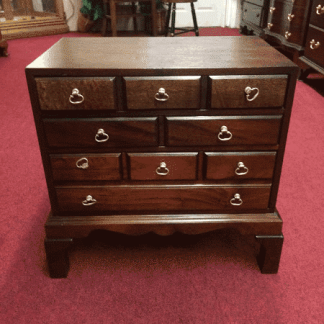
(291,17)
(287,34)
(76,93)
(319,10)
(161,95)
(162,169)
(101,133)
(89,201)
(269,25)
(236,201)
(241,169)
(314,45)
(83,163)
(248,91)
(272,9)
(224,134)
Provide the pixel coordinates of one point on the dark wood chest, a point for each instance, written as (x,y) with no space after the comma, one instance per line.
(162,135)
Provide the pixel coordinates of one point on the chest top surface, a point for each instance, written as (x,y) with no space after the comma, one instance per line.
(162,55)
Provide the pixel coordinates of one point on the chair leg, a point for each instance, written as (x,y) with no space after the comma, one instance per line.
(167,21)
(194,18)
(173,20)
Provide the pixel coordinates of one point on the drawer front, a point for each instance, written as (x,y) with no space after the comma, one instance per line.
(234,130)
(236,165)
(257,2)
(317,14)
(88,200)
(163,166)
(85,167)
(248,91)
(76,93)
(163,92)
(99,133)
(252,13)
(314,48)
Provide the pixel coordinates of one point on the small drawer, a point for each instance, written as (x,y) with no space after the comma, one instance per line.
(248,91)
(163,166)
(101,132)
(314,46)
(252,13)
(76,93)
(236,165)
(163,92)
(85,167)
(162,198)
(317,14)
(234,130)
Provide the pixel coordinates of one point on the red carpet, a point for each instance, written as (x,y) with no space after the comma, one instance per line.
(211,278)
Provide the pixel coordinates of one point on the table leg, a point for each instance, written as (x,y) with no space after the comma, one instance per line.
(270,252)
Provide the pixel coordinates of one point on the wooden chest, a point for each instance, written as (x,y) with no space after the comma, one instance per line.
(161,135)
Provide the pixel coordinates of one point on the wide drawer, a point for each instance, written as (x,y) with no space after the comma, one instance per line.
(76,93)
(87,167)
(162,198)
(163,166)
(314,48)
(237,165)
(104,132)
(248,91)
(234,130)
(163,92)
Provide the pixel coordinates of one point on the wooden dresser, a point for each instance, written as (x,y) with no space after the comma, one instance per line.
(314,49)
(161,135)
(287,25)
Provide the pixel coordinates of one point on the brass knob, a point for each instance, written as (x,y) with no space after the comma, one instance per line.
(291,17)
(224,134)
(236,201)
(272,9)
(82,163)
(314,45)
(287,34)
(89,201)
(241,169)
(269,25)
(101,133)
(162,170)
(319,10)
(161,95)
(249,91)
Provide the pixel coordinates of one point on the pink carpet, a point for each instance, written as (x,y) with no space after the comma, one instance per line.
(211,278)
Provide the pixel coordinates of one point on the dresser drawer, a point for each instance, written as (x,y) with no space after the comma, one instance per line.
(162,198)
(234,130)
(76,93)
(236,165)
(314,46)
(252,13)
(98,133)
(86,167)
(163,92)
(248,91)
(317,14)
(163,166)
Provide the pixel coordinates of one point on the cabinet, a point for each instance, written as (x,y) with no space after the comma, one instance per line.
(143,135)
(287,25)
(314,47)
(254,17)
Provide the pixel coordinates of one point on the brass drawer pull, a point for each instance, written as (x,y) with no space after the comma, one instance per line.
(269,25)
(162,169)
(101,133)
(241,169)
(83,163)
(224,134)
(319,10)
(287,34)
(248,91)
(314,45)
(272,9)
(236,201)
(291,17)
(89,201)
(76,93)
(161,95)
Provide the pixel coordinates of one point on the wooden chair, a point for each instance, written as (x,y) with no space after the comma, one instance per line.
(172,10)
(111,15)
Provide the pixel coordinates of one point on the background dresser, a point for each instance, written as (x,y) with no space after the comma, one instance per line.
(254,17)
(161,135)
(287,25)
(314,47)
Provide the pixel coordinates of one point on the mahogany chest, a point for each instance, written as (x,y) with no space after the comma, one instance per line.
(162,135)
